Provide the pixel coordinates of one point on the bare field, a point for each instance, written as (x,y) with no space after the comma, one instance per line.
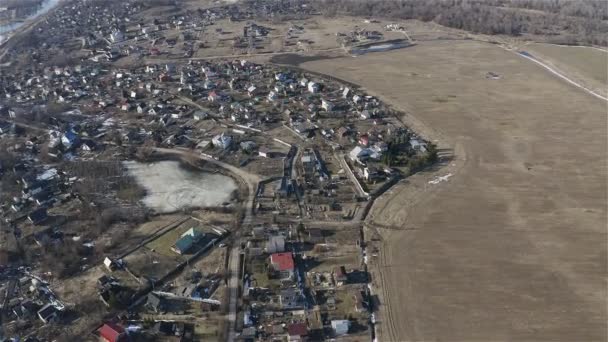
(513,245)
(587,65)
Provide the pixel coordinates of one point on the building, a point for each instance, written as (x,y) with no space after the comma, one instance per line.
(359,154)
(275,244)
(313,87)
(418,145)
(327,105)
(264,152)
(111,332)
(222,141)
(340,276)
(38,216)
(117,36)
(297,332)
(291,299)
(187,240)
(283,264)
(248,146)
(340,326)
(155,303)
(48,313)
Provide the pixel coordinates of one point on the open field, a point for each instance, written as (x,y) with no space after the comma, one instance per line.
(513,245)
(588,66)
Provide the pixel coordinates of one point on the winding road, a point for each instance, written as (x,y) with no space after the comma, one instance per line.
(251,181)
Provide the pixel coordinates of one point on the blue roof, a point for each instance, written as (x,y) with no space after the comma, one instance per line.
(184,243)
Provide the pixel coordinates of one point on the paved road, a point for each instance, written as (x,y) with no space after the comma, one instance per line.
(233,265)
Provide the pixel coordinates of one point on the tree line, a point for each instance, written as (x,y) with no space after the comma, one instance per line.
(565,22)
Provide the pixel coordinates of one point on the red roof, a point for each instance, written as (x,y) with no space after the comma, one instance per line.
(111,332)
(282,261)
(297,329)
(364,139)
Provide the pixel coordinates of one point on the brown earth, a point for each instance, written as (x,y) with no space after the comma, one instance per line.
(513,246)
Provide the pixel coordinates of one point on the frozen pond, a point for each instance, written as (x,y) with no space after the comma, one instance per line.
(380,47)
(5,30)
(170,187)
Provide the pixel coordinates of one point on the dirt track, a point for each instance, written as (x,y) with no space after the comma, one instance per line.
(513,246)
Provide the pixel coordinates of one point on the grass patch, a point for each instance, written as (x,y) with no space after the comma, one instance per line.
(163,244)
(206,331)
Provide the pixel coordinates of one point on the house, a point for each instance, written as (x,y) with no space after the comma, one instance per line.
(371,173)
(111,332)
(38,216)
(327,105)
(48,313)
(264,152)
(222,141)
(340,326)
(359,154)
(275,244)
(301,127)
(251,91)
(248,146)
(214,96)
(345,92)
(291,299)
(283,264)
(69,139)
(297,332)
(342,132)
(155,303)
(273,96)
(187,240)
(418,145)
(313,87)
(200,115)
(364,140)
(117,36)
(340,277)
(110,264)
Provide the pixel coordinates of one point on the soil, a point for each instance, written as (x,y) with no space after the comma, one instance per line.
(513,245)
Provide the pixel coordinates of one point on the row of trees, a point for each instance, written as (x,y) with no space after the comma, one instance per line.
(575,22)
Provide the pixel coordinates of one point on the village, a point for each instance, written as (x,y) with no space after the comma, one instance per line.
(298,159)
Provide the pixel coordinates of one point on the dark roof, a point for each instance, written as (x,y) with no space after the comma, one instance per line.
(38,215)
(154,301)
(47,311)
(297,329)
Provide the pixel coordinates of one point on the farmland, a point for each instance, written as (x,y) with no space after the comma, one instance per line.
(514,241)
(585,64)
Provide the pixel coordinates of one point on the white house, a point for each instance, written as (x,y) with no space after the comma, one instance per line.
(359,154)
(327,105)
(313,87)
(340,326)
(222,141)
(345,92)
(117,36)
(272,96)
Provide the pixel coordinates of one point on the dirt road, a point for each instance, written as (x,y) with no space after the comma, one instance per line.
(512,247)
(233,265)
